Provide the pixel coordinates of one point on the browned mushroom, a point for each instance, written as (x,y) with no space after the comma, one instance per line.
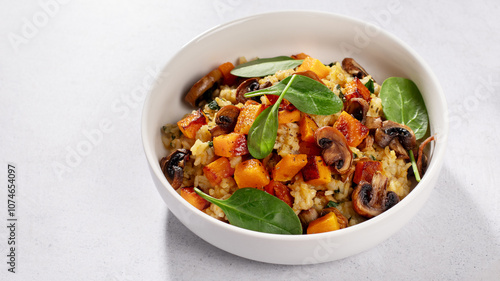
(310,74)
(225,119)
(390,130)
(422,158)
(373,122)
(173,166)
(398,148)
(246,86)
(352,67)
(372,199)
(358,108)
(307,216)
(335,150)
(341,219)
(203,87)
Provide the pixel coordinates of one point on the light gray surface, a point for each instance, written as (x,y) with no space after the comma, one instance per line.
(69,67)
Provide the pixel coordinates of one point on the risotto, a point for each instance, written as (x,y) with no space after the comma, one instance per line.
(345,167)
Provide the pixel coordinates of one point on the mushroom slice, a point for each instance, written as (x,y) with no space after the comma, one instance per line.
(310,74)
(373,122)
(307,216)
(341,219)
(422,158)
(225,119)
(203,87)
(335,150)
(352,67)
(358,108)
(390,130)
(370,200)
(398,148)
(173,166)
(246,86)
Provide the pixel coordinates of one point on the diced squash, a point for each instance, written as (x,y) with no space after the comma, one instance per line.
(230,145)
(325,223)
(356,89)
(315,66)
(251,173)
(365,169)
(309,148)
(190,124)
(247,116)
(225,69)
(300,56)
(287,116)
(353,131)
(279,190)
(307,127)
(218,170)
(289,166)
(316,172)
(193,198)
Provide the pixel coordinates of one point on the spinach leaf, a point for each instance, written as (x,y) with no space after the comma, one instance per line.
(306,94)
(370,86)
(263,67)
(403,103)
(257,210)
(262,134)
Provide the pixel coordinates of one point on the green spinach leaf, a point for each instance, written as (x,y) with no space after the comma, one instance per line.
(263,67)
(306,94)
(257,210)
(403,103)
(370,86)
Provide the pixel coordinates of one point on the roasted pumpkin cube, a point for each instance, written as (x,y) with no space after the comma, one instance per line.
(287,116)
(225,69)
(251,173)
(309,148)
(365,169)
(289,166)
(356,89)
(307,127)
(280,190)
(315,66)
(325,223)
(193,198)
(230,145)
(247,116)
(218,170)
(190,124)
(353,131)
(316,172)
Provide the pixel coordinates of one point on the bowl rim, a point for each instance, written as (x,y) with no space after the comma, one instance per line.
(437,153)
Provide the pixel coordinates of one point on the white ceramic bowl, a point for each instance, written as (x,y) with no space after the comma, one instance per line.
(325,36)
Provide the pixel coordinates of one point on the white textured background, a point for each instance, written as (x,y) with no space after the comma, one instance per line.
(67,66)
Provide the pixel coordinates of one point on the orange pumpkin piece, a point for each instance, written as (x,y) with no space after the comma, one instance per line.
(353,131)
(325,223)
(356,89)
(247,116)
(281,191)
(251,173)
(230,145)
(225,69)
(190,124)
(287,116)
(218,170)
(289,166)
(307,127)
(315,66)
(365,169)
(316,172)
(309,148)
(193,198)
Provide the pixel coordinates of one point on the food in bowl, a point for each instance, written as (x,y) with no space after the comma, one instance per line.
(290,145)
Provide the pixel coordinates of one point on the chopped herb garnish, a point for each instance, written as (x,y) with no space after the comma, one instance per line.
(213,105)
(370,86)
(354,155)
(331,204)
(210,143)
(373,157)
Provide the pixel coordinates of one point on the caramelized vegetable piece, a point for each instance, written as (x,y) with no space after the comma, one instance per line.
(325,223)
(280,190)
(335,150)
(225,69)
(316,172)
(230,145)
(370,200)
(310,74)
(289,166)
(247,116)
(356,89)
(251,173)
(300,56)
(225,119)
(172,166)
(341,219)
(309,148)
(218,170)
(365,169)
(190,124)
(351,128)
(287,116)
(307,127)
(315,66)
(352,67)
(194,199)
(203,87)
